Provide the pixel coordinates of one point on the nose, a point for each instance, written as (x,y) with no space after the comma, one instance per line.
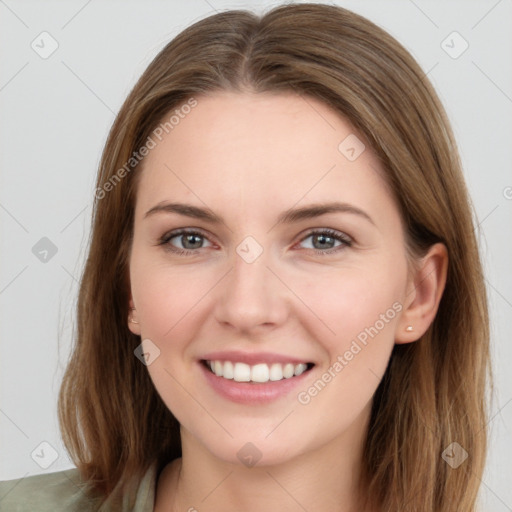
(252,296)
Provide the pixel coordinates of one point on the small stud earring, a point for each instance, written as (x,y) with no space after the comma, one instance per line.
(131,319)
(409,328)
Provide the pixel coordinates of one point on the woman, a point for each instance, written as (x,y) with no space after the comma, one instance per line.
(325,344)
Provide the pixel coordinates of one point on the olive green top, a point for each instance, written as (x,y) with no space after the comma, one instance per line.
(65,491)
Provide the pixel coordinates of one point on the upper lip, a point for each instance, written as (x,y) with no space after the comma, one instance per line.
(252,358)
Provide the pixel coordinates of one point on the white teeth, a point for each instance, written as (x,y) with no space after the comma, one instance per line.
(276,372)
(288,370)
(300,368)
(241,372)
(218,368)
(260,373)
(228,371)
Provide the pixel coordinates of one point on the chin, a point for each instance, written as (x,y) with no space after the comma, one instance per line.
(251,448)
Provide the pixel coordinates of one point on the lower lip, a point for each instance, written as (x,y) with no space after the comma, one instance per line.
(252,392)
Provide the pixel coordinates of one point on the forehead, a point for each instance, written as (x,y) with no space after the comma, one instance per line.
(258,149)
(272,127)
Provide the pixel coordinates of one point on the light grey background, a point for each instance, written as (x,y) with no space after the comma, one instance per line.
(56,113)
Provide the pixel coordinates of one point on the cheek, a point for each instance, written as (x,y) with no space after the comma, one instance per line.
(165,295)
(363,314)
(358,310)
(168,301)
(353,303)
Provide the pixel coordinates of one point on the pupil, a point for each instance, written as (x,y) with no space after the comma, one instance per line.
(189,238)
(323,238)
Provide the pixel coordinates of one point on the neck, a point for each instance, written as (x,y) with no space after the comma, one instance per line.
(326,478)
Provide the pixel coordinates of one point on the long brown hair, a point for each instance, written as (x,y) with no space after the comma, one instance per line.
(433,393)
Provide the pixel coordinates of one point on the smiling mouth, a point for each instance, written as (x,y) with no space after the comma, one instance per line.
(257,373)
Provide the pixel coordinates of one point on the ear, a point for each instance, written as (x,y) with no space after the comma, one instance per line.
(133,321)
(425,289)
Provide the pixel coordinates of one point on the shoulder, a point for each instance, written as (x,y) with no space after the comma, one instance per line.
(51,492)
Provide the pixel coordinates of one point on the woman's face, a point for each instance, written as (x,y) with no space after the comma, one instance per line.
(271,288)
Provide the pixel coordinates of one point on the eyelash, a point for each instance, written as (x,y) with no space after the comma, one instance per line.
(164,241)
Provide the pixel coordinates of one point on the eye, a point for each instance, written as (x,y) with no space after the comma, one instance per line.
(323,240)
(190,238)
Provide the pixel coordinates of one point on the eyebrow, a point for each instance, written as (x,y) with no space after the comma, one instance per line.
(287,217)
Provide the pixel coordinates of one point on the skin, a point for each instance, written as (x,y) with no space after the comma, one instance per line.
(249,157)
